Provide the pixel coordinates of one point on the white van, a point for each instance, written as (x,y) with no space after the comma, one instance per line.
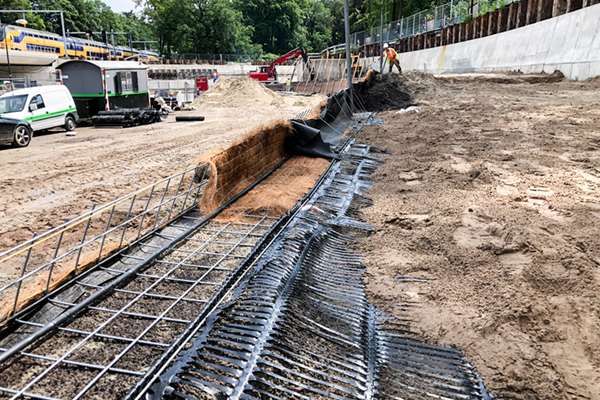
(44,107)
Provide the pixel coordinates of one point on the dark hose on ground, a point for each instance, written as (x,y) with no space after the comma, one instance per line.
(187,118)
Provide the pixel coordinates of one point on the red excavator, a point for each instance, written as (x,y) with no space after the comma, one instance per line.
(269,74)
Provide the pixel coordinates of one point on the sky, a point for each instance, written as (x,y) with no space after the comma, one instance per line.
(119,6)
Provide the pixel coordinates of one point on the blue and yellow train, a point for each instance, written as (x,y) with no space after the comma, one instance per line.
(28,40)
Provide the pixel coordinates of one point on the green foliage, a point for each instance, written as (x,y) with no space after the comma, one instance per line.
(483,7)
(269,57)
(316,23)
(277,24)
(198,26)
(501,3)
(34,20)
(461,9)
(494,7)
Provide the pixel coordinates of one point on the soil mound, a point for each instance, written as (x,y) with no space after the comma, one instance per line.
(419,83)
(239,93)
(554,77)
(386,92)
(221,86)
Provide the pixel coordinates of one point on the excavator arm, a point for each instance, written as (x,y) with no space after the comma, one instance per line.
(299,51)
(269,73)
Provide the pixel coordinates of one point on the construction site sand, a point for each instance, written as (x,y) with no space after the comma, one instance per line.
(59,177)
(244,162)
(243,93)
(491,194)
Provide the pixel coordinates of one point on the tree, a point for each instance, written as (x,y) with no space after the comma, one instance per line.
(198,26)
(33,20)
(277,24)
(317,21)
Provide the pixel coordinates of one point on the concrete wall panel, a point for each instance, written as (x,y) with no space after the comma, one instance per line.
(569,43)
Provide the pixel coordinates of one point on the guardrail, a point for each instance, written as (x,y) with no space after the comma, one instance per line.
(8,84)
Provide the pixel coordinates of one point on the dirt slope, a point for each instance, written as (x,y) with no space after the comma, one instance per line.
(492,195)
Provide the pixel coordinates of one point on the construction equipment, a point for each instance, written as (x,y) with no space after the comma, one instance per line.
(268,74)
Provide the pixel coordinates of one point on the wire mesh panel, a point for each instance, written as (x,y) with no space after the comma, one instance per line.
(51,259)
(109,345)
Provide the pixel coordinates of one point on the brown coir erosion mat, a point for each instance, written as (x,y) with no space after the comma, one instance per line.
(279,192)
(243,163)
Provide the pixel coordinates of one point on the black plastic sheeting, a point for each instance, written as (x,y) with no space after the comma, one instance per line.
(307,141)
(319,137)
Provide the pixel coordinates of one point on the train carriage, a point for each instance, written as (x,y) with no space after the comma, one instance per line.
(34,47)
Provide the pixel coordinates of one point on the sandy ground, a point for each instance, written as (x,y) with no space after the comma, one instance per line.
(491,196)
(60,177)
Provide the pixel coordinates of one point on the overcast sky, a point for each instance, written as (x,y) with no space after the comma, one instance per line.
(119,6)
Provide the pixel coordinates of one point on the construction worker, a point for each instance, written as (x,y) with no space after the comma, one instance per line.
(288,85)
(392,57)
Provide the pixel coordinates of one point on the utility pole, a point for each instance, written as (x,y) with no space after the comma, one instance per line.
(62,24)
(348,55)
(112,33)
(381,45)
(8,61)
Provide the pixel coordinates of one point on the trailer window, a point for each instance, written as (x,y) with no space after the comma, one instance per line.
(126,82)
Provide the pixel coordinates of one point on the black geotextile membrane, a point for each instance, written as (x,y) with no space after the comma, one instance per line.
(307,141)
(316,137)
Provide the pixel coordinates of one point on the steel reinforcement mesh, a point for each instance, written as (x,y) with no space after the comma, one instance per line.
(110,345)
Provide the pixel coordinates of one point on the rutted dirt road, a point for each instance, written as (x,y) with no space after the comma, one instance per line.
(491,197)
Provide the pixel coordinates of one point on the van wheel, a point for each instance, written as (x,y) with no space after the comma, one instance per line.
(22,136)
(70,123)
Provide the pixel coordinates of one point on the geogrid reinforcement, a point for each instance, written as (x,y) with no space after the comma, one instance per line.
(300,326)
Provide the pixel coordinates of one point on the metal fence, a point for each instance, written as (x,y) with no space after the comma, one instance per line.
(220,58)
(424,21)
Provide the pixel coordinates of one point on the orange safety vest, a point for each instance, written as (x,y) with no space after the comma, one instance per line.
(391,54)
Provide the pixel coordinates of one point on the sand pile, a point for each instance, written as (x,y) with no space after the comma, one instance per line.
(221,86)
(239,93)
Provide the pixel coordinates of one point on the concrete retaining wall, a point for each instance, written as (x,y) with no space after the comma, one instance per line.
(569,43)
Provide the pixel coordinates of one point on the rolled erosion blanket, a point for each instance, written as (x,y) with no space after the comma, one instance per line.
(186,118)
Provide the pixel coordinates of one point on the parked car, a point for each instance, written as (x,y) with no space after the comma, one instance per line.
(15,131)
(44,107)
